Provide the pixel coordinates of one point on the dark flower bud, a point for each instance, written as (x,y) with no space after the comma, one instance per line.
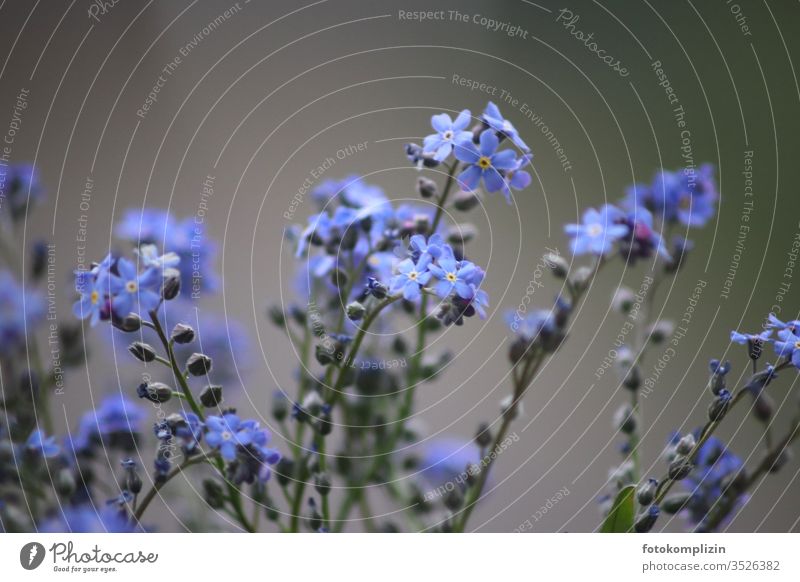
(355,311)
(647,519)
(461,234)
(198,364)
(325,423)
(719,371)
(280,405)
(623,301)
(127,324)
(399,345)
(633,378)
(133,482)
(314,519)
(270,510)
(65,482)
(680,468)
(417,157)
(426,187)
(154,392)
(377,289)
(780,459)
(674,503)
(660,331)
(719,406)
(680,248)
(519,348)
(558,265)
(325,354)
(454,499)
(685,445)
(213,494)
(211,396)
(276,315)
(322,483)
(142,351)
(581,278)
(763,406)
(182,334)
(172,286)
(39,262)
(298,315)
(484,435)
(284,471)
(339,279)
(465,201)
(313,404)
(624,419)
(647,492)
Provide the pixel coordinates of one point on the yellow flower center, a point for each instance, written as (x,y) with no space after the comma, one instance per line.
(447,135)
(95,296)
(131,286)
(484,162)
(797,345)
(226,436)
(413,275)
(594,230)
(451,277)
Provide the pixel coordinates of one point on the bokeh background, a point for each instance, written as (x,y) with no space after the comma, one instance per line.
(280,86)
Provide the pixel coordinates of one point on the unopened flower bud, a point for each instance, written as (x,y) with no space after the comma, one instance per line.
(660,331)
(65,482)
(680,468)
(322,483)
(355,311)
(647,519)
(182,334)
(128,324)
(280,405)
(142,351)
(213,494)
(198,364)
(211,396)
(647,492)
(276,315)
(763,406)
(454,499)
(154,392)
(685,445)
(484,435)
(557,264)
(172,285)
(623,300)
(465,201)
(580,278)
(781,459)
(624,419)
(674,503)
(426,187)
(461,234)
(719,406)
(339,279)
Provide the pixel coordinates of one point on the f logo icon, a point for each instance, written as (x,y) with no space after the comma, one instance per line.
(31,555)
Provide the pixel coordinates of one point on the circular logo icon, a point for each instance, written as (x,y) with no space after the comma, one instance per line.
(31,555)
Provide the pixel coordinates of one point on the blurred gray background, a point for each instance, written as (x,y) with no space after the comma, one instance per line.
(279,86)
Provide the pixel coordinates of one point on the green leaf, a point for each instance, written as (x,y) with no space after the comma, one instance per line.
(623,513)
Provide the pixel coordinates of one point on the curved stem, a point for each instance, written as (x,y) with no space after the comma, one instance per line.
(150,495)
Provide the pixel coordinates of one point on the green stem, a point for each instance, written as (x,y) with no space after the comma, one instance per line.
(150,495)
